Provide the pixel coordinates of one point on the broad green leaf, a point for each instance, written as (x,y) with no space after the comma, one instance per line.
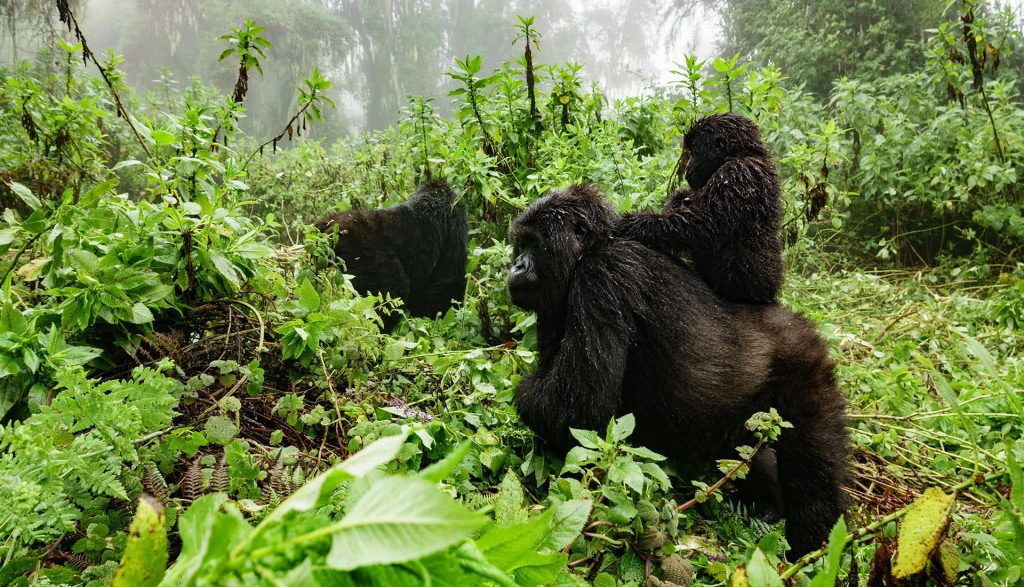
(309,299)
(622,427)
(126,163)
(508,510)
(643,452)
(440,470)
(586,438)
(208,530)
(224,267)
(162,137)
(627,472)
(505,546)
(7,235)
(141,314)
(760,572)
(536,569)
(25,194)
(566,524)
(396,520)
(836,543)
(145,555)
(921,530)
(316,492)
(220,429)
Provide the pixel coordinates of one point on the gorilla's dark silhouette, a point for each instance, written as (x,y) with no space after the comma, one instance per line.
(415,250)
(624,329)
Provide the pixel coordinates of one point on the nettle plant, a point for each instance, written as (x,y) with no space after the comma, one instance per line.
(355,525)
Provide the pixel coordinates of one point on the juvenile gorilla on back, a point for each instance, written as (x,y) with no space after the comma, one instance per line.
(415,250)
(728,221)
(622,329)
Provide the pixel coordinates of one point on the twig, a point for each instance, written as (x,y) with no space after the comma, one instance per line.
(28,244)
(718,484)
(283,132)
(65,9)
(878,524)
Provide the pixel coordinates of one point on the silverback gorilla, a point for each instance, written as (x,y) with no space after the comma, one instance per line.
(415,250)
(622,329)
(728,222)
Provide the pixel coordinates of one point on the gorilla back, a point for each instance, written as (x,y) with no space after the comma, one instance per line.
(415,250)
(623,329)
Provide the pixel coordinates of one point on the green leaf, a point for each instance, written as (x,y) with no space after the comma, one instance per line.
(440,470)
(220,429)
(536,569)
(921,531)
(505,546)
(830,570)
(208,530)
(761,573)
(396,520)
(126,163)
(162,137)
(309,300)
(145,555)
(224,267)
(316,492)
(508,510)
(567,522)
(141,314)
(25,194)
(586,438)
(622,427)
(629,473)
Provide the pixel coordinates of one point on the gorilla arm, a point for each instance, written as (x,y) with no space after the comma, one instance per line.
(735,198)
(581,386)
(664,231)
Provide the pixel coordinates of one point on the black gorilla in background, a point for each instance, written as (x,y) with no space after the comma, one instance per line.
(622,329)
(415,250)
(728,222)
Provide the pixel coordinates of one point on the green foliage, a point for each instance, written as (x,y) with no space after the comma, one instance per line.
(76,451)
(337,454)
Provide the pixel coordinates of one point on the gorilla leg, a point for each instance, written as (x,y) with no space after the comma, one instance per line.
(761,488)
(812,458)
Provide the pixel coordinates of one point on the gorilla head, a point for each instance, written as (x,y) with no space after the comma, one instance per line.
(549,240)
(714,139)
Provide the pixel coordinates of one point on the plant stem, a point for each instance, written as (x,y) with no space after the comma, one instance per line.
(878,524)
(718,484)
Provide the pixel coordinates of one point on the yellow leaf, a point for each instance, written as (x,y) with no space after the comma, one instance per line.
(739,578)
(145,555)
(948,559)
(921,530)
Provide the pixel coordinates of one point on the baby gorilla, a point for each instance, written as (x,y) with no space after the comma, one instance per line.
(728,222)
(415,250)
(622,329)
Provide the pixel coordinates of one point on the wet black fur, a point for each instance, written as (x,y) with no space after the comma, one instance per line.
(728,221)
(415,250)
(623,329)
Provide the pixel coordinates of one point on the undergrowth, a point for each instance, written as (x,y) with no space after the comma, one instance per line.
(178,353)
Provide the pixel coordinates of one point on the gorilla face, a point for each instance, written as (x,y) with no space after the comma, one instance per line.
(548,240)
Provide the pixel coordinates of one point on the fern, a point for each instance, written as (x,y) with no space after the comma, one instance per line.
(75,449)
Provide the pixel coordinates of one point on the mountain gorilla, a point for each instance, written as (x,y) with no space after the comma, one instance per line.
(728,222)
(415,250)
(622,329)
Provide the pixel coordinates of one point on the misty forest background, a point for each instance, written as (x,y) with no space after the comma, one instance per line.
(191,392)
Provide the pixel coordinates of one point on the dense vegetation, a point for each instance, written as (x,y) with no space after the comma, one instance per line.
(187,380)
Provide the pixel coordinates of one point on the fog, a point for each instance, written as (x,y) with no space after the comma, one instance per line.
(376,53)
